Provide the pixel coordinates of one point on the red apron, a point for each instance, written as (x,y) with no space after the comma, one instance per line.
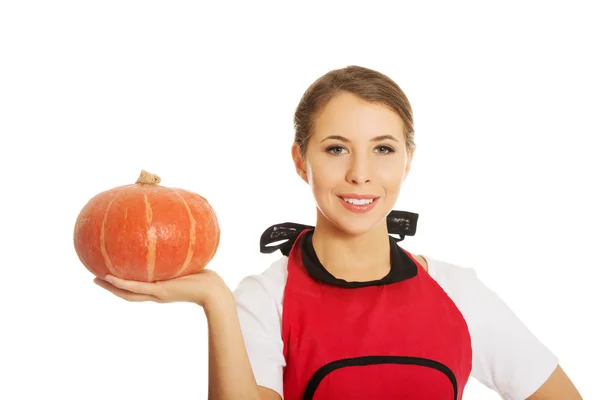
(404,340)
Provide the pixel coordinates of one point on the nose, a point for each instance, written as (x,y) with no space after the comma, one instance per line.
(358,169)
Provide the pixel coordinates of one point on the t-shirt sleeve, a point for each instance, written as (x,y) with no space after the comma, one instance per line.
(261,328)
(507,357)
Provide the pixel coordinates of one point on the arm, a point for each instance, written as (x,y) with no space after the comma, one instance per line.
(230,374)
(557,386)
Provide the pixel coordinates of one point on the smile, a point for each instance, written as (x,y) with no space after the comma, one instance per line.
(358,203)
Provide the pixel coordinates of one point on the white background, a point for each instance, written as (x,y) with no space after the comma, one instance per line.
(505,177)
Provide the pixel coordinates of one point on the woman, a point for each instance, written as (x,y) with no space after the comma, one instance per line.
(362,317)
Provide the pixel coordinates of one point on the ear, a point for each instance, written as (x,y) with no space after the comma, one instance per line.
(409,159)
(299,163)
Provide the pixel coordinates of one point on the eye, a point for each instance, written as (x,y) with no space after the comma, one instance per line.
(336,150)
(384,149)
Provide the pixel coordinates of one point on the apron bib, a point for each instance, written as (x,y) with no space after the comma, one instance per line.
(379,340)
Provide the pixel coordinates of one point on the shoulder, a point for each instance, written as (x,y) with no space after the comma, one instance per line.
(455,279)
(463,287)
(507,356)
(421,261)
(448,275)
(264,290)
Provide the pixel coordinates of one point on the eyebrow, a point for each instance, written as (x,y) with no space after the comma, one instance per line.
(346,140)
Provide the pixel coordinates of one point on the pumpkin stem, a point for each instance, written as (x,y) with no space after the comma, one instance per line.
(148,178)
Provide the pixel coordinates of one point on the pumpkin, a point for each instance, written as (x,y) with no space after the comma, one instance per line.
(146,232)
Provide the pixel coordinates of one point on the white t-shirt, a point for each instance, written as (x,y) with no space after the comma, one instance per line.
(507,357)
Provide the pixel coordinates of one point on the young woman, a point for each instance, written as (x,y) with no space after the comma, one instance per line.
(346,313)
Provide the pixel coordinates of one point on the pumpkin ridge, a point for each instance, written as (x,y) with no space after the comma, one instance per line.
(150,240)
(216,224)
(192,240)
(107,261)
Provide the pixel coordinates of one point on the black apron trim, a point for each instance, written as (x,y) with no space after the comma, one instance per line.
(402,267)
(322,372)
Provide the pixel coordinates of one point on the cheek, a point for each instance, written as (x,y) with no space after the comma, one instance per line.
(325,174)
(394,176)
(391,175)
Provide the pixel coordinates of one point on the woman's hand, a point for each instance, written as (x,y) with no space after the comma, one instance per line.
(197,288)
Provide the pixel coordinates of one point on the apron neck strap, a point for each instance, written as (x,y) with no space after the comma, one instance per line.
(282,236)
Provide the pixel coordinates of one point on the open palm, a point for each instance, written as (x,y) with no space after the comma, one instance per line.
(194,288)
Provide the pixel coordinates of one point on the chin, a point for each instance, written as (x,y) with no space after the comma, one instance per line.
(355,225)
(355,229)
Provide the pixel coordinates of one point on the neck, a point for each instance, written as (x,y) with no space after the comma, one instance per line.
(352,257)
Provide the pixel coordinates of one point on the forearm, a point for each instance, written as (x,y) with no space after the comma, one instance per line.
(230,375)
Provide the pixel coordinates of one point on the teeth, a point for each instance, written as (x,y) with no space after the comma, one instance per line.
(358,201)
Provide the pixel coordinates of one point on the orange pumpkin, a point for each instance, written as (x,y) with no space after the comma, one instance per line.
(146,232)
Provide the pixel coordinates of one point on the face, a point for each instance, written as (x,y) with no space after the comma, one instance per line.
(355,163)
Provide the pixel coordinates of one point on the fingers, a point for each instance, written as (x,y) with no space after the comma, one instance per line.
(147,288)
(126,295)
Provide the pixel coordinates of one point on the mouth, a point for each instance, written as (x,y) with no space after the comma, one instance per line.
(358,203)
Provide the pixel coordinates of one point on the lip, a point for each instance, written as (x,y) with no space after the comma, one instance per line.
(359,208)
(357,196)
